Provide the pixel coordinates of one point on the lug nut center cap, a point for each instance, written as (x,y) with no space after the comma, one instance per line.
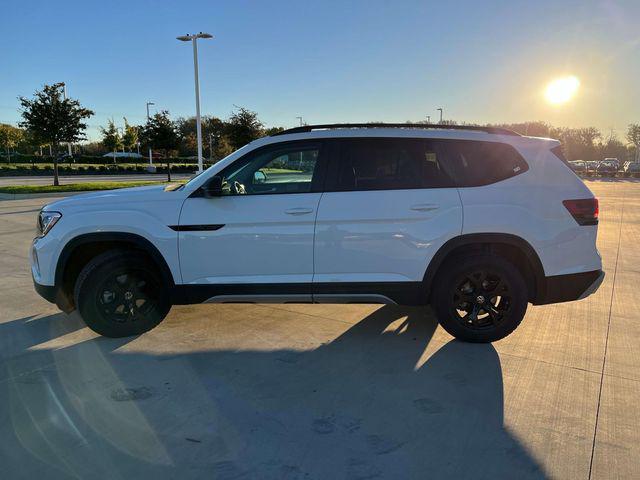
(480,299)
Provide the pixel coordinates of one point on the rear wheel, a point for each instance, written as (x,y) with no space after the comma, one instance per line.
(480,298)
(119,294)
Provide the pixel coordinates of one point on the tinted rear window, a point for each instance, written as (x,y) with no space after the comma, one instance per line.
(388,164)
(481,163)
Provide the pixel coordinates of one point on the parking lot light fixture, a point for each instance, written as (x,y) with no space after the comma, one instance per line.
(150,151)
(194,40)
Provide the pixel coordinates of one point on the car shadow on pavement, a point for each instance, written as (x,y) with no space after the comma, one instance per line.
(369,404)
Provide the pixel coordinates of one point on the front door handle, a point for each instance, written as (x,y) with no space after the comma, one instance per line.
(425,207)
(298,211)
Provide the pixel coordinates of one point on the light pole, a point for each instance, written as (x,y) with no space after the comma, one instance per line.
(150,151)
(121,129)
(64,96)
(194,41)
(211,148)
(440,110)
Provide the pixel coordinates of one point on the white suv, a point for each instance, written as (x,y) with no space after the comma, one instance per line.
(477,222)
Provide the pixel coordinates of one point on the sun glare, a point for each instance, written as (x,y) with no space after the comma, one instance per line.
(561,90)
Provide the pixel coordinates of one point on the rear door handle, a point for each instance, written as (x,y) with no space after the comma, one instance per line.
(298,211)
(425,207)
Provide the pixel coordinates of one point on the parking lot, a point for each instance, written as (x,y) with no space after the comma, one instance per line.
(324,391)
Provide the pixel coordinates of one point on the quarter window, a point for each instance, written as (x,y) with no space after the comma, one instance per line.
(482,163)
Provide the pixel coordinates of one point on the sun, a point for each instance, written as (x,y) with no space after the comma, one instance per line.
(561,90)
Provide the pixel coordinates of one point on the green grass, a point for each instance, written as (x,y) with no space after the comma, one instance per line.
(74,187)
(279,170)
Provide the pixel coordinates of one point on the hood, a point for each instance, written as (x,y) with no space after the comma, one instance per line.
(110,197)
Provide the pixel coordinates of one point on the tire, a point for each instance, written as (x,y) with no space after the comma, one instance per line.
(119,293)
(465,298)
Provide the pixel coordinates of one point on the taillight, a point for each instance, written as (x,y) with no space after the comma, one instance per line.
(584,211)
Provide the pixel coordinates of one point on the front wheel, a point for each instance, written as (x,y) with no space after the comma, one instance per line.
(480,298)
(119,294)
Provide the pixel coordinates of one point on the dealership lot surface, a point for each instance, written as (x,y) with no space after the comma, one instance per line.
(323,391)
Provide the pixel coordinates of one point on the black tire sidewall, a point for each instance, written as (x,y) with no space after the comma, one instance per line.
(90,279)
(443,285)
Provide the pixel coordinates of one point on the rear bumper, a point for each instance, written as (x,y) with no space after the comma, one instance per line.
(566,288)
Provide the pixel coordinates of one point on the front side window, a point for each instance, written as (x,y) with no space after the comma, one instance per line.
(388,164)
(288,169)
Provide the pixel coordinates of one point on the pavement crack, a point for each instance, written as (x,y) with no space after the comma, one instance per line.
(606,341)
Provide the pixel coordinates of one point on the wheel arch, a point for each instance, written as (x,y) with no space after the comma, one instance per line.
(499,243)
(79,250)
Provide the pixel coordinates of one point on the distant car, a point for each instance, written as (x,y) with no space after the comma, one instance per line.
(613,161)
(631,168)
(607,168)
(592,167)
(579,166)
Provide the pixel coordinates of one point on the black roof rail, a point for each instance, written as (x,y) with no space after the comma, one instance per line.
(329,126)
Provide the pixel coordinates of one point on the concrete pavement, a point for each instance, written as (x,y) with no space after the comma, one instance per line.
(324,391)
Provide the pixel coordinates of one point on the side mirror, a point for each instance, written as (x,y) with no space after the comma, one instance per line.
(213,187)
(259,176)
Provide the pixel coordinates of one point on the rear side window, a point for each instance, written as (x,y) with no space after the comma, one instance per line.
(482,163)
(387,164)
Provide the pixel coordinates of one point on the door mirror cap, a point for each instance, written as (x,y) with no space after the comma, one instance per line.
(213,187)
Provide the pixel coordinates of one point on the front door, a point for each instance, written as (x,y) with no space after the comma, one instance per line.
(260,231)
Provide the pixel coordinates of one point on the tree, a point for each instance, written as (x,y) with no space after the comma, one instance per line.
(130,137)
(612,148)
(111,138)
(51,119)
(10,137)
(633,136)
(213,129)
(272,131)
(221,148)
(243,127)
(161,132)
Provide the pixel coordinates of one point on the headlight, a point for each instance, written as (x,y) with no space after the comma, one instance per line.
(46,221)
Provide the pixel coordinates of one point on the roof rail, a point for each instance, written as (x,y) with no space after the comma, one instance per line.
(329,126)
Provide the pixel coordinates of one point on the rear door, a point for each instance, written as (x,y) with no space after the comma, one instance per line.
(389,204)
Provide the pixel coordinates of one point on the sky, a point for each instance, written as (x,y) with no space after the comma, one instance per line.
(329,61)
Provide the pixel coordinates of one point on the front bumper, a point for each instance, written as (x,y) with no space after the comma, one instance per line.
(48,292)
(53,294)
(566,288)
